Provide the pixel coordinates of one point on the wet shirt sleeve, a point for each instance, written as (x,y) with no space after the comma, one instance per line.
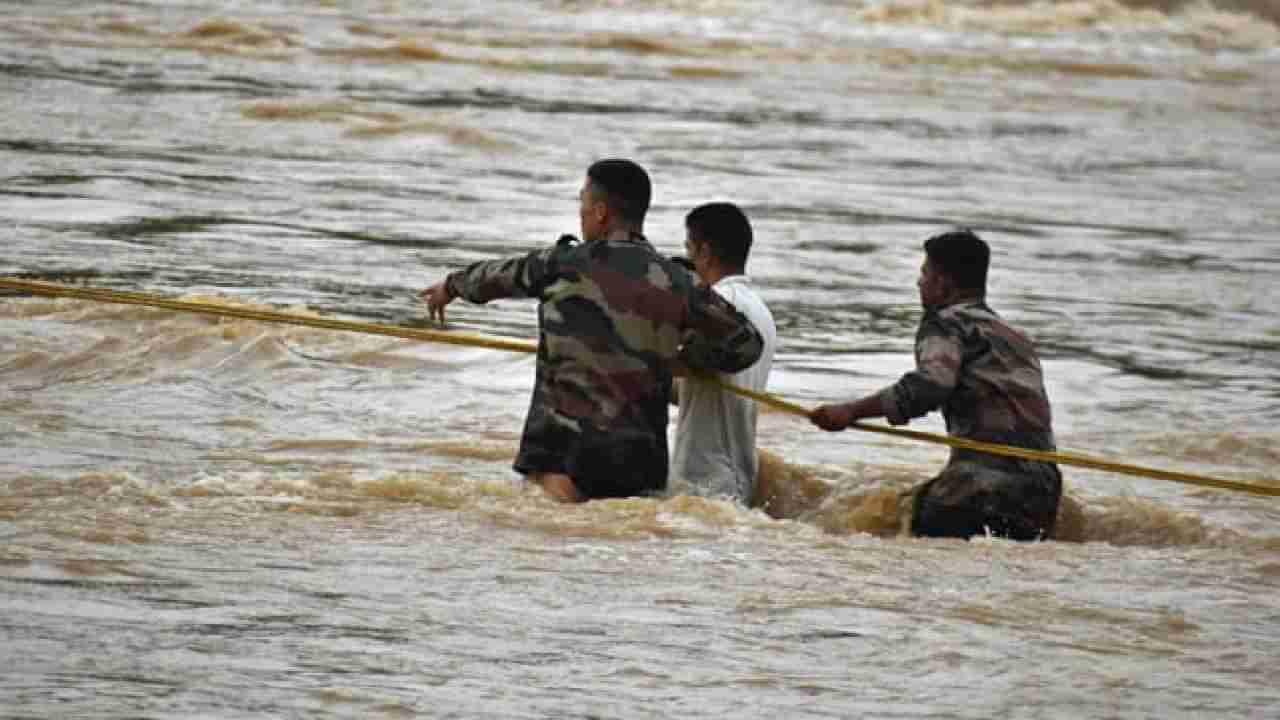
(939,353)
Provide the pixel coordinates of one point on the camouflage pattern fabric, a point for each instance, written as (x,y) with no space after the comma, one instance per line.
(985,376)
(613,316)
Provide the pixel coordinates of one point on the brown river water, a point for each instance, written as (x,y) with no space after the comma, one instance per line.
(217,518)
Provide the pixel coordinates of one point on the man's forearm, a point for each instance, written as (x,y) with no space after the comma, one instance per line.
(865,407)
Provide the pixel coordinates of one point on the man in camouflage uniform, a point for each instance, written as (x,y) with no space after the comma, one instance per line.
(985,376)
(615,320)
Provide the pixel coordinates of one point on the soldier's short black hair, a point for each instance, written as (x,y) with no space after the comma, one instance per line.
(962,256)
(625,186)
(725,228)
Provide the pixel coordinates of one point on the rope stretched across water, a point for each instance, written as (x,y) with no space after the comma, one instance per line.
(496,343)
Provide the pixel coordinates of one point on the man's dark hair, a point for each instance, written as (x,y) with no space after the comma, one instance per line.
(962,256)
(625,186)
(725,229)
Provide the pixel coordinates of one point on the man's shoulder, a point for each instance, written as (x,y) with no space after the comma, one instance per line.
(971,320)
(966,311)
(742,294)
(960,316)
(639,260)
(619,275)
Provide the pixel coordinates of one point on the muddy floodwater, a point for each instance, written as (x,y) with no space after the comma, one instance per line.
(222,518)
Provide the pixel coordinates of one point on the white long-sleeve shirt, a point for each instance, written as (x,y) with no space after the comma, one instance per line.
(715,438)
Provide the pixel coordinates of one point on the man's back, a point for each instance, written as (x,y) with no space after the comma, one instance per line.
(611,324)
(715,449)
(999,393)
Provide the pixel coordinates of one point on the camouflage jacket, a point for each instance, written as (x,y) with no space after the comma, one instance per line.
(985,376)
(613,315)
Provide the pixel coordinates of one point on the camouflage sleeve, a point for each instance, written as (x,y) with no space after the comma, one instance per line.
(939,351)
(522,276)
(717,336)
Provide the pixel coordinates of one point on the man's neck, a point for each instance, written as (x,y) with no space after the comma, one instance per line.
(962,298)
(620,231)
(714,275)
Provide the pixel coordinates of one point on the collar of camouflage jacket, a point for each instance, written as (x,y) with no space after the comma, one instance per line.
(625,235)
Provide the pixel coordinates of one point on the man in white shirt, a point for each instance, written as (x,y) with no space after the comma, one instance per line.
(715,437)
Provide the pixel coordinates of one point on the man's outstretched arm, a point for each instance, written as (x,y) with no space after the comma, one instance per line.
(522,276)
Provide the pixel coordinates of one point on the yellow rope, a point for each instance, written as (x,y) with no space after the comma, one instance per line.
(496,343)
(128,298)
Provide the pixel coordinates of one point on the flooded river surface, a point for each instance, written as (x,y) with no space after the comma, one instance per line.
(219,518)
